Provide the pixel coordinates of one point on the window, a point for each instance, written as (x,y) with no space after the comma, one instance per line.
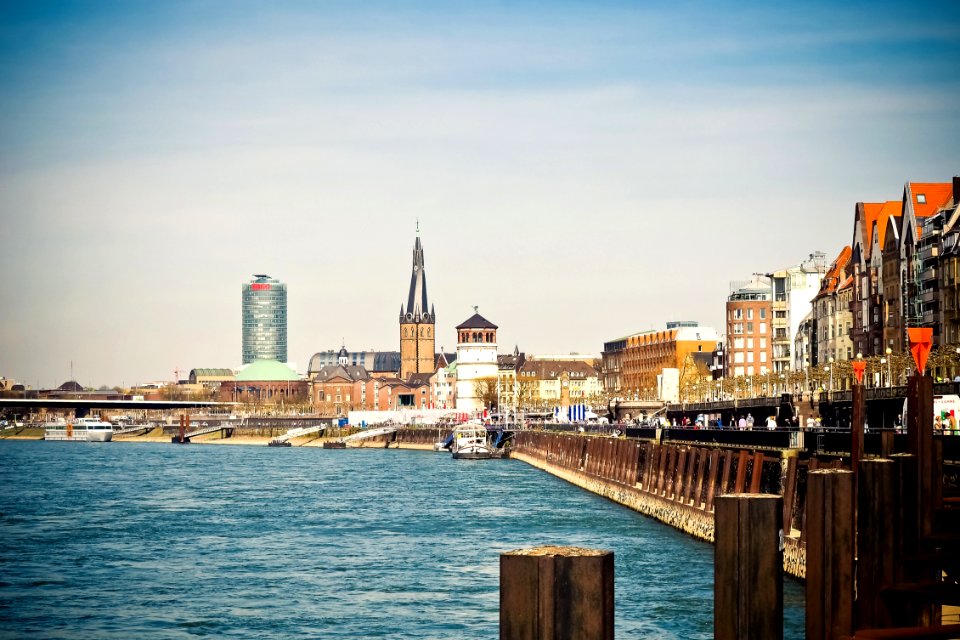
(749,314)
(749,371)
(738,357)
(749,327)
(738,314)
(763,343)
(763,314)
(738,328)
(749,343)
(749,357)
(763,327)
(738,343)
(921,198)
(738,371)
(763,357)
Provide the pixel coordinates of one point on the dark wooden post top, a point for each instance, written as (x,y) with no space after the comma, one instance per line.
(556,593)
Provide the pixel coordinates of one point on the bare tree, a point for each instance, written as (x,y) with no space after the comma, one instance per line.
(486,391)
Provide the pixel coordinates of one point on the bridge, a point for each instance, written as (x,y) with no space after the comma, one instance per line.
(82,406)
(296,433)
(370,433)
(137,428)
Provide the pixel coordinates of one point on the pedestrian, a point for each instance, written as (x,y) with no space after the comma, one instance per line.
(811,423)
(749,421)
(742,423)
(771,423)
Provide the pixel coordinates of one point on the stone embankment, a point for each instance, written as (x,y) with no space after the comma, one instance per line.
(676,484)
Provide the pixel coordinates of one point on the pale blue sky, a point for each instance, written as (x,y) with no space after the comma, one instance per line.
(580,170)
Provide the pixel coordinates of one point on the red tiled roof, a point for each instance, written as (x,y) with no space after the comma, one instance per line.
(887,209)
(870,212)
(936,195)
(832,278)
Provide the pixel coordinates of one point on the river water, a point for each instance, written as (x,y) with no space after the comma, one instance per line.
(122,540)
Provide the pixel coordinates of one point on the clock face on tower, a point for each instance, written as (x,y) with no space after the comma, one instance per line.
(566,383)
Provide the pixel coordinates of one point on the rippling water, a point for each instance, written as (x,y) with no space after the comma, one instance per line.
(155,540)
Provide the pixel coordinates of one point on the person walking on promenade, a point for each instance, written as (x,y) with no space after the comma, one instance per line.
(742,423)
(750,421)
(771,423)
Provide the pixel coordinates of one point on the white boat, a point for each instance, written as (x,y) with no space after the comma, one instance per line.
(80,430)
(470,442)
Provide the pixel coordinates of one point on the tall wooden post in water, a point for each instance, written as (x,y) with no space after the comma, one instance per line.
(748,567)
(556,593)
(830,554)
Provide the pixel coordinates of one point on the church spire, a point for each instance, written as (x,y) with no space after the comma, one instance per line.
(417,307)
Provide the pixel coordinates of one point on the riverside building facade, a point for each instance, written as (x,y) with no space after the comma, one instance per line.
(264,319)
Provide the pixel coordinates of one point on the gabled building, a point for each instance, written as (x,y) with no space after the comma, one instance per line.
(866,267)
(831,316)
(508,388)
(443,383)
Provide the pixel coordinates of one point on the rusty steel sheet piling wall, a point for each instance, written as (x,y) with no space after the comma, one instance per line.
(678,484)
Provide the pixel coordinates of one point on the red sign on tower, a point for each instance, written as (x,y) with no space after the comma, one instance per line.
(260,287)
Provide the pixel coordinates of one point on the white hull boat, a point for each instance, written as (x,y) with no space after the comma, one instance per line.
(80,430)
(470,442)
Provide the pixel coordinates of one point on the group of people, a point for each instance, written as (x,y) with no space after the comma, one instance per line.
(746,423)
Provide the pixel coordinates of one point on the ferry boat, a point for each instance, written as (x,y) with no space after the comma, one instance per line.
(80,430)
(470,443)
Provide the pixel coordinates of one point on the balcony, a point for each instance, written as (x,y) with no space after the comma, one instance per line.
(928,296)
(929,274)
(930,251)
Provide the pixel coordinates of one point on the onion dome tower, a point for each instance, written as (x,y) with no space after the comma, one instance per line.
(417,322)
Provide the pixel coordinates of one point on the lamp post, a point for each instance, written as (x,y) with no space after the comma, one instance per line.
(889,376)
(830,369)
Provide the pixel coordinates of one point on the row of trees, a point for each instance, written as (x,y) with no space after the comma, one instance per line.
(881,371)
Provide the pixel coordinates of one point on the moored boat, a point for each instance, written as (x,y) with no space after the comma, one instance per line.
(80,430)
(470,442)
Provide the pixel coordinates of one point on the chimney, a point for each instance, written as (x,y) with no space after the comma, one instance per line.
(956,190)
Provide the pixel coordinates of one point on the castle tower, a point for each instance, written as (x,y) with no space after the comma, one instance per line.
(417,322)
(477,371)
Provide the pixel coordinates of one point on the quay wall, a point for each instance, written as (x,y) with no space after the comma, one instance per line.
(675,483)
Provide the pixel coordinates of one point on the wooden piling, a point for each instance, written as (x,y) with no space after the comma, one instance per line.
(920,435)
(789,491)
(757,475)
(877,533)
(556,593)
(742,459)
(712,483)
(830,559)
(748,567)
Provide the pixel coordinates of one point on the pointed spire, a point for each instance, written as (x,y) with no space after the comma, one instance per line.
(417,299)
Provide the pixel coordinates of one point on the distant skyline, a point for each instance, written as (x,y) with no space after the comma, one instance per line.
(581,171)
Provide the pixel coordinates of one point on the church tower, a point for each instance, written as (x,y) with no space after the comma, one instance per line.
(417,321)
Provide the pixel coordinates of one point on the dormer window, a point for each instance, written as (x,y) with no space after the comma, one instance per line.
(921,198)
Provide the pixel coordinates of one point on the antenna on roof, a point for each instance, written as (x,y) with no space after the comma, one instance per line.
(418,226)
(476,309)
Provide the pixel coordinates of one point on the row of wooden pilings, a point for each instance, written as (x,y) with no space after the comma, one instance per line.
(873,557)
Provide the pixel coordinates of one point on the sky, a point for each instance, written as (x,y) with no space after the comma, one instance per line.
(580,171)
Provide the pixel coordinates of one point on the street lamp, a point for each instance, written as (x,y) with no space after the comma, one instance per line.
(830,369)
(889,377)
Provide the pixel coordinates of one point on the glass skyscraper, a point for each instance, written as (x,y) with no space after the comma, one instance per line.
(264,319)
